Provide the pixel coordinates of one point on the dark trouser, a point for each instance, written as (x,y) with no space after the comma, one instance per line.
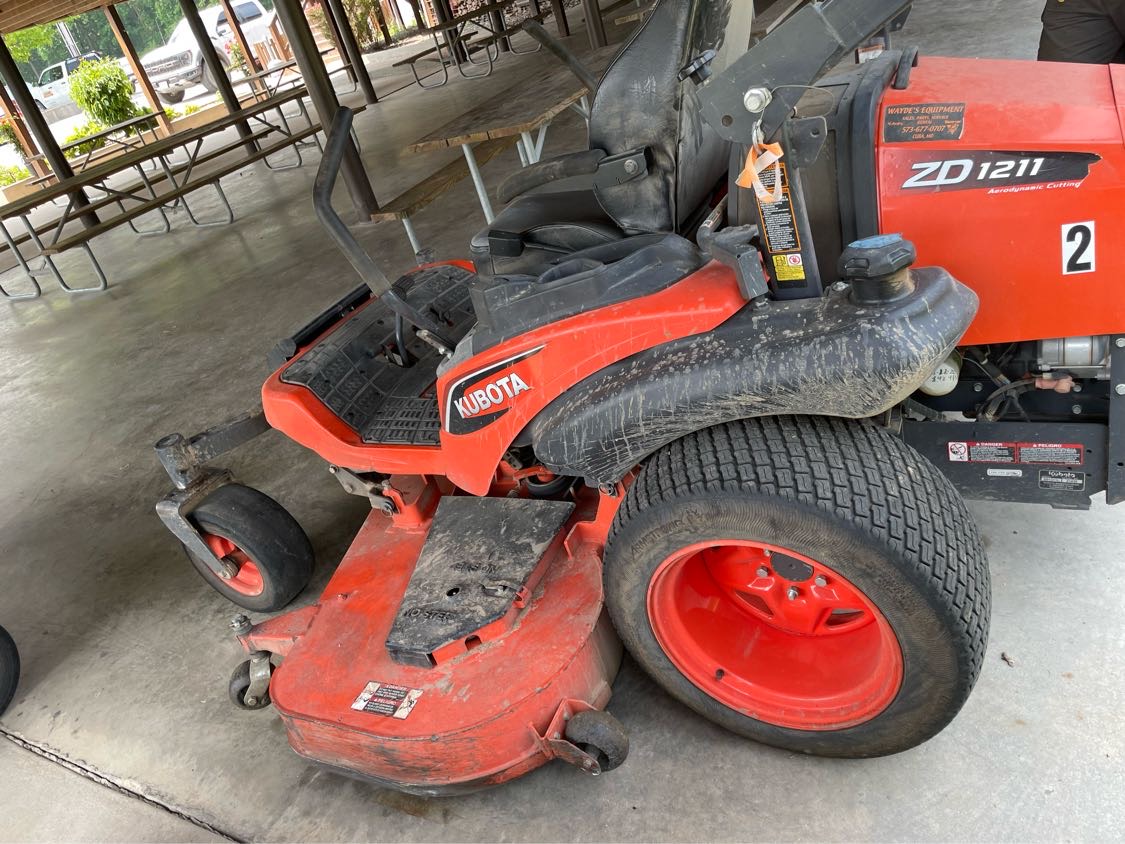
(1085,31)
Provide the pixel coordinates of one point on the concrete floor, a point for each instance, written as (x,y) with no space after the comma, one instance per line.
(126,652)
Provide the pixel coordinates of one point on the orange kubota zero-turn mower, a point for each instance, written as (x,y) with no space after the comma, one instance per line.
(699,399)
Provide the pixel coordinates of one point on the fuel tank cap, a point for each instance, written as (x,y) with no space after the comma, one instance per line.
(875,257)
(878,269)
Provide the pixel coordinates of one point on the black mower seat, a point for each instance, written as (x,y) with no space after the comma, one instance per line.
(652,161)
(528,235)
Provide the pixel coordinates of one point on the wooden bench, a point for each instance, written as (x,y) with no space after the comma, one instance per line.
(515,30)
(410,202)
(634,16)
(772,17)
(613,7)
(434,54)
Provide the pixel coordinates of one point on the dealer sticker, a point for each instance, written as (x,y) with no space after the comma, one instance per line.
(1062,479)
(387,699)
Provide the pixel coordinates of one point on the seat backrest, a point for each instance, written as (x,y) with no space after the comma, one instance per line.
(641,102)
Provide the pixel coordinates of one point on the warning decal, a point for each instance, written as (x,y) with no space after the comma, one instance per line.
(1064,454)
(1062,479)
(779,226)
(924,122)
(789,267)
(387,699)
(1068,454)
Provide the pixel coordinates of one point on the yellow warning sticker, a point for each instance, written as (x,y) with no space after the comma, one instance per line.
(790,267)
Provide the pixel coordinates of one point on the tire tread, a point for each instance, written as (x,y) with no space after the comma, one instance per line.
(858,472)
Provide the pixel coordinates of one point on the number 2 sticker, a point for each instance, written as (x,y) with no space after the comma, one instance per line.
(1078,248)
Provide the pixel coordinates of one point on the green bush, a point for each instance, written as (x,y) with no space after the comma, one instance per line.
(85,131)
(102,89)
(191,109)
(11,175)
(8,136)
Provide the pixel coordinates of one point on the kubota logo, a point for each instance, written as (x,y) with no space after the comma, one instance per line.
(479,398)
(491,396)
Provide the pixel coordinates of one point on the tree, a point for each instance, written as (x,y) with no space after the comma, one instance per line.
(103,90)
(33,40)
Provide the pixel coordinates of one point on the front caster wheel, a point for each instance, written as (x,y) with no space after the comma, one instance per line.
(601,735)
(268,558)
(240,682)
(9,669)
(811,583)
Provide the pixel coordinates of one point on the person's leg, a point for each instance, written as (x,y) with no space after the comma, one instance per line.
(1085,31)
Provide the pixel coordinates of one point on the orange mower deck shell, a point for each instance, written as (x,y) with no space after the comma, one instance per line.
(482,713)
(1000,236)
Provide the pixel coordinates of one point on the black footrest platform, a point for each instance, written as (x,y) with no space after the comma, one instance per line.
(351,372)
(478,556)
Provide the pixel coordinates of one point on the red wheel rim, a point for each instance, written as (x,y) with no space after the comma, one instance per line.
(248,579)
(775,635)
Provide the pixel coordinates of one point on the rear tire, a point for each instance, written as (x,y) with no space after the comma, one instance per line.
(795,509)
(258,537)
(9,669)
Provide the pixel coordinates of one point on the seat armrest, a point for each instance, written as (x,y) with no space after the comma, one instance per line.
(584,163)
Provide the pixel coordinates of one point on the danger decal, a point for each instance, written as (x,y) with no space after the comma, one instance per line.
(387,699)
(1058,454)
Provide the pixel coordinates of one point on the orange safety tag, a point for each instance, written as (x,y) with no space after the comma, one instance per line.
(760,158)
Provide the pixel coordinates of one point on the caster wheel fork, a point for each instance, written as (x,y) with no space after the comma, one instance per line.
(250,683)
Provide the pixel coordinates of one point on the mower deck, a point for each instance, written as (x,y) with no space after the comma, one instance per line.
(481,713)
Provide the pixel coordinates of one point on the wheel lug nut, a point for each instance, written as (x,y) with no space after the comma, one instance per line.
(763,571)
(792,593)
(821,580)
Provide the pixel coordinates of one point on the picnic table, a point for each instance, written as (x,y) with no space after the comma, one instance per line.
(461,44)
(517,112)
(260,80)
(117,136)
(158,192)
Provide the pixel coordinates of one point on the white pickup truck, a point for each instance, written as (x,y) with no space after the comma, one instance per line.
(178,65)
(52,89)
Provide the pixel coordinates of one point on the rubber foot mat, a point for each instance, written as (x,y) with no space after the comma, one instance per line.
(351,372)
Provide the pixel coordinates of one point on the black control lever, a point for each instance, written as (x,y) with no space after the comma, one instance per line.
(699,71)
(339,138)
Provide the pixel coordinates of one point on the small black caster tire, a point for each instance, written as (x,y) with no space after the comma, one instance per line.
(601,735)
(9,669)
(239,683)
(271,556)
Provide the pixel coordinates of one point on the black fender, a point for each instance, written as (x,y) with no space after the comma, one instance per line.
(823,357)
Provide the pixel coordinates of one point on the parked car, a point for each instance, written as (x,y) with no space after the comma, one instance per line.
(52,89)
(178,65)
